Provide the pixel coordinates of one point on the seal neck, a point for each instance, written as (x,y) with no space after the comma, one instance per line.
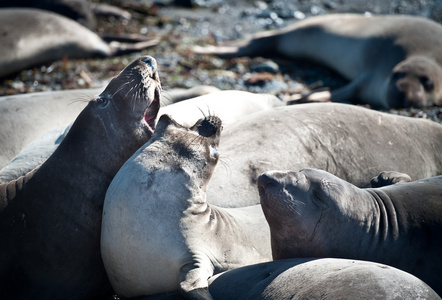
(385,225)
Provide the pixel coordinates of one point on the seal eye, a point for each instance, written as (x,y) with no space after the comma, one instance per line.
(398,75)
(102,101)
(427,83)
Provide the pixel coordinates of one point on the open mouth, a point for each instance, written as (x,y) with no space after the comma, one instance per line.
(151,112)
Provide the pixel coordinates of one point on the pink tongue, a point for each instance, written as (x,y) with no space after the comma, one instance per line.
(150,114)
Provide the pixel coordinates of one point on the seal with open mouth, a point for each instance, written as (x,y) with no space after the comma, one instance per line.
(159,233)
(50,219)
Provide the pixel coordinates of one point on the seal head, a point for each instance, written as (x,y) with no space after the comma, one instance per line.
(415,82)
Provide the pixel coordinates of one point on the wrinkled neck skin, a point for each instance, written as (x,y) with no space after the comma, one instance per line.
(368,226)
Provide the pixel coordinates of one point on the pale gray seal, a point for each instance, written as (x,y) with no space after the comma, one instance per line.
(312,213)
(159,234)
(28,117)
(390,61)
(31,37)
(50,220)
(351,142)
(326,278)
(24,123)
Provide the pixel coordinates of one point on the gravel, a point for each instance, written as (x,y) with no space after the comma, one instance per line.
(209,22)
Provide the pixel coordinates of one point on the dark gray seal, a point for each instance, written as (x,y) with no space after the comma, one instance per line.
(51,219)
(312,213)
(159,234)
(326,278)
(390,61)
(32,37)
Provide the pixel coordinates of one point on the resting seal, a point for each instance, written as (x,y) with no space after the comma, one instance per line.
(27,115)
(309,278)
(390,61)
(329,136)
(33,37)
(312,213)
(51,219)
(159,234)
(351,142)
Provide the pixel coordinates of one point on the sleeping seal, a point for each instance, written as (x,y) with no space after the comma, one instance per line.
(310,278)
(33,37)
(390,61)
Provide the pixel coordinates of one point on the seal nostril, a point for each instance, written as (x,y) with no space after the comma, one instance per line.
(148,61)
(209,126)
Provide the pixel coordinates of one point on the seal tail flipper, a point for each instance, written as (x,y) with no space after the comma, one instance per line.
(253,47)
(120,48)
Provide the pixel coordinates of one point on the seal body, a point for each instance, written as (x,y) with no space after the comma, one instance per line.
(310,278)
(350,142)
(159,234)
(229,106)
(390,61)
(50,220)
(313,213)
(32,37)
(28,117)
(24,125)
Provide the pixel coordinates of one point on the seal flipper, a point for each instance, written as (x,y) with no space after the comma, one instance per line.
(253,47)
(194,281)
(388,178)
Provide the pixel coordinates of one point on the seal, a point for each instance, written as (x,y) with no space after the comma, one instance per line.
(50,220)
(327,136)
(24,123)
(351,142)
(229,106)
(390,61)
(310,278)
(33,37)
(28,117)
(312,213)
(159,234)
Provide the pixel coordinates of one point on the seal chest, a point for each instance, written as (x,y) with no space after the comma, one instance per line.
(146,201)
(159,234)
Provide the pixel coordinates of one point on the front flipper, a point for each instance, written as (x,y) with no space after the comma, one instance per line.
(388,178)
(194,280)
